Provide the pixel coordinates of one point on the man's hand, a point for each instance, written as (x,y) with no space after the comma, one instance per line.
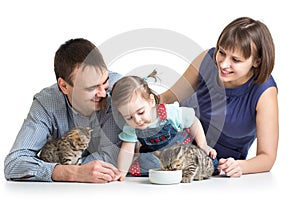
(93,172)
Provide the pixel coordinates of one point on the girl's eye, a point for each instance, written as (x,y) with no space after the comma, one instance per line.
(129,118)
(141,113)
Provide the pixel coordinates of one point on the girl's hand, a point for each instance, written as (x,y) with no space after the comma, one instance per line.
(121,178)
(231,167)
(212,153)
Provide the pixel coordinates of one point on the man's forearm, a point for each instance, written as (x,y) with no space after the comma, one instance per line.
(65,173)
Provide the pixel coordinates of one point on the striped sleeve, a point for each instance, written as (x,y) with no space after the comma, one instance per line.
(22,162)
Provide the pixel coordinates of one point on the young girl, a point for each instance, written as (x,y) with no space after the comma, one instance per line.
(154,126)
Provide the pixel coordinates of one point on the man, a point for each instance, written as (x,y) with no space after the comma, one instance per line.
(78,99)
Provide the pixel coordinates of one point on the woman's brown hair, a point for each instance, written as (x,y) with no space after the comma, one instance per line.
(250,37)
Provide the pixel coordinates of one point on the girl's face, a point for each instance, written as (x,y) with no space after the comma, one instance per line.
(139,112)
(234,69)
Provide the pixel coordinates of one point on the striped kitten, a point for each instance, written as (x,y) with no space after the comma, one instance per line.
(191,159)
(67,149)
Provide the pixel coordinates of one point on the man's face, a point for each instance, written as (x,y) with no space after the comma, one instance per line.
(89,89)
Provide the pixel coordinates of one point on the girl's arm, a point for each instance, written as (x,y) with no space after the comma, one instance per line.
(186,85)
(197,132)
(125,158)
(267,139)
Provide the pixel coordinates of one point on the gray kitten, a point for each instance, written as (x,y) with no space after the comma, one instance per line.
(67,149)
(191,159)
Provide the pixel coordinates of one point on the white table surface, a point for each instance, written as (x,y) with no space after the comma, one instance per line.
(259,186)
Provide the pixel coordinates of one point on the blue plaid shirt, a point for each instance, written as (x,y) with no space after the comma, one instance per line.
(51,115)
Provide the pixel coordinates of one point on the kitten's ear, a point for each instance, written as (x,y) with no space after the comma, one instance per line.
(90,130)
(178,152)
(157,153)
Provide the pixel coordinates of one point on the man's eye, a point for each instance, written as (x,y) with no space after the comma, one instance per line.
(106,81)
(141,113)
(90,89)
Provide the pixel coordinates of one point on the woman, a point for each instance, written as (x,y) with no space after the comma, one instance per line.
(236,96)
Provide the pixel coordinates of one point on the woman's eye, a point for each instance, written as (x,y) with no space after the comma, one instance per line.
(141,113)
(221,52)
(235,60)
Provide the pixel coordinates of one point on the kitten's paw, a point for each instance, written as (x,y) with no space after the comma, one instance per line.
(199,178)
(186,180)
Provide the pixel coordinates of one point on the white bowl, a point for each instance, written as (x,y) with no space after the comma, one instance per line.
(158,176)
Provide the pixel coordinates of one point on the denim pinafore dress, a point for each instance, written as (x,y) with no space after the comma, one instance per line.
(163,136)
(158,138)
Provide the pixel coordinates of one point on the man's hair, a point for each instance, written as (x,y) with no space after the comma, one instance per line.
(73,54)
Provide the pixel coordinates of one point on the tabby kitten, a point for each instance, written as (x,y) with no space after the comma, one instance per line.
(67,149)
(191,159)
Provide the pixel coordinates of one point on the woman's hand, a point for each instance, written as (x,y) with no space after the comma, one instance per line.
(231,167)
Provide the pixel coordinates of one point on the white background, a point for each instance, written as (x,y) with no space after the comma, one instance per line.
(31,32)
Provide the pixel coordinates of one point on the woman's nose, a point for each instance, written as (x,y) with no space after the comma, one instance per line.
(225,63)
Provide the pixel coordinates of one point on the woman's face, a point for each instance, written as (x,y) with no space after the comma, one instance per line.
(234,69)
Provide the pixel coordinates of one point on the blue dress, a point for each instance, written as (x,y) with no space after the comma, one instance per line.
(228,115)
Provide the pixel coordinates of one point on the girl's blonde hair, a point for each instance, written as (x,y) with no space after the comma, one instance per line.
(128,87)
